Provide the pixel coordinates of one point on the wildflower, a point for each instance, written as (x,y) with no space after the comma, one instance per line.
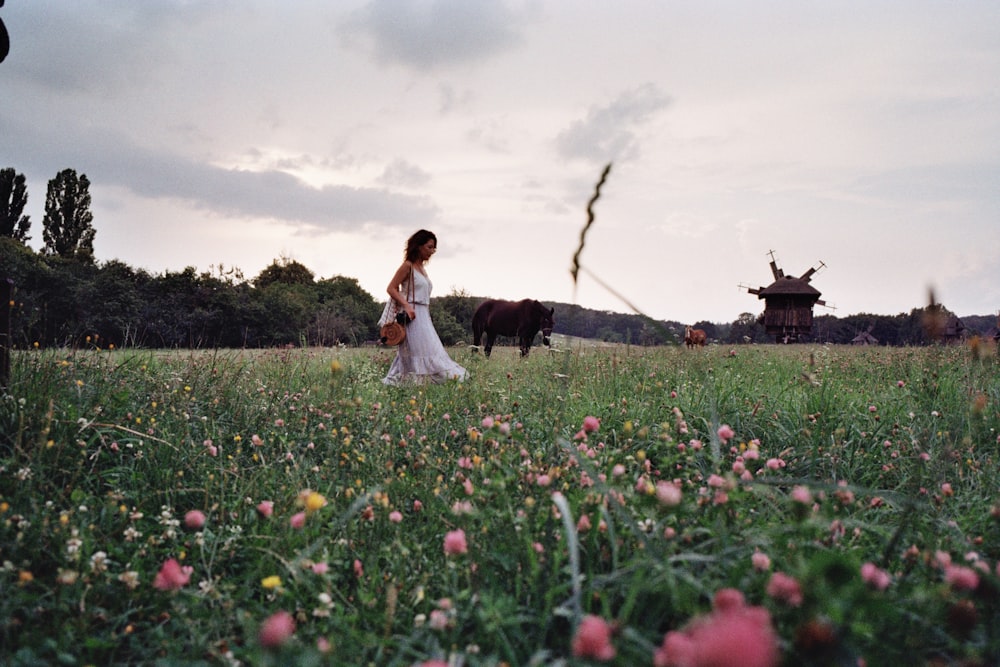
(583,525)
(593,639)
(785,588)
(298,520)
(733,635)
(801,494)
(760,561)
(69,577)
(313,501)
(277,629)
(359,569)
(941,559)
(395,516)
(591,424)
(320,568)
(172,576)
(961,577)
(130,578)
(725,433)
(455,543)
(195,519)
(438,620)
(668,493)
(272,582)
(462,507)
(487,422)
(265,508)
(99,562)
(876,578)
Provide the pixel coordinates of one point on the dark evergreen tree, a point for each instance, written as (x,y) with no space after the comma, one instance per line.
(13,199)
(67,228)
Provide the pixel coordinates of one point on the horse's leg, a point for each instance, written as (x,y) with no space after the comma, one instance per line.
(490,337)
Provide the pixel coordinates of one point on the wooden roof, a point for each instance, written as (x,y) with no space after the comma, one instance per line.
(788,285)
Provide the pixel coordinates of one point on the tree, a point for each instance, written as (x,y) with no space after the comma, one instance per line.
(13,199)
(746,329)
(67,228)
(286,271)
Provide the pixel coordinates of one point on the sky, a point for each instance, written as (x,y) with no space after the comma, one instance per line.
(858,137)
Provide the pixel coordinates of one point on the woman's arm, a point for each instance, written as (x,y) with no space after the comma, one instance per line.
(401,276)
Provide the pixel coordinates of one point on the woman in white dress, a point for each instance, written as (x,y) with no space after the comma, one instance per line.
(420,357)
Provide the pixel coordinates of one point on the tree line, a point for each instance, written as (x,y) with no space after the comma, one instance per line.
(60,296)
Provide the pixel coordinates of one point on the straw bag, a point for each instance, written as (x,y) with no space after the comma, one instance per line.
(394,320)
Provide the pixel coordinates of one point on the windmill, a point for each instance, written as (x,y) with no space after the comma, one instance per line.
(788,303)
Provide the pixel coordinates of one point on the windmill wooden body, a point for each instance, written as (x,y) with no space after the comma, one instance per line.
(788,304)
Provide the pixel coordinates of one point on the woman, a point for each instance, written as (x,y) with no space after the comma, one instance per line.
(420,357)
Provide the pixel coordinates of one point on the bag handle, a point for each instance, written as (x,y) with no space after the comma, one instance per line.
(410,289)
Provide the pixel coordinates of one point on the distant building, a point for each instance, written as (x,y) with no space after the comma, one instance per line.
(954,330)
(788,304)
(865,338)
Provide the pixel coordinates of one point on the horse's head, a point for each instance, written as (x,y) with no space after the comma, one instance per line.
(546,322)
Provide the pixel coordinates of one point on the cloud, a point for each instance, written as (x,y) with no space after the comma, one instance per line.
(607,133)
(110,159)
(434,33)
(404,174)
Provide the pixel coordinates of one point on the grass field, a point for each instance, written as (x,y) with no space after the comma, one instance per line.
(759,505)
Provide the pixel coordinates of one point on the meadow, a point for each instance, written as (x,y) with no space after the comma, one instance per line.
(758,505)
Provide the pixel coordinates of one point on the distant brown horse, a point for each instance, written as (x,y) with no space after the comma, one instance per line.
(693,337)
(521,319)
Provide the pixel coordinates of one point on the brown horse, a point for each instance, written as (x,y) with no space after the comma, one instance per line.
(693,337)
(521,319)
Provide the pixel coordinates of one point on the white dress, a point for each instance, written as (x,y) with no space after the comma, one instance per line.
(421,357)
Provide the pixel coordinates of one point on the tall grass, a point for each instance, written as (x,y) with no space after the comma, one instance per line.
(852,456)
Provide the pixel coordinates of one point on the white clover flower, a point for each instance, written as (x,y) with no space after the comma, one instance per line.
(73,545)
(99,562)
(67,577)
(130,578)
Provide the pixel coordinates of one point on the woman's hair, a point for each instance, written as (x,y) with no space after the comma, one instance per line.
(418,239)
